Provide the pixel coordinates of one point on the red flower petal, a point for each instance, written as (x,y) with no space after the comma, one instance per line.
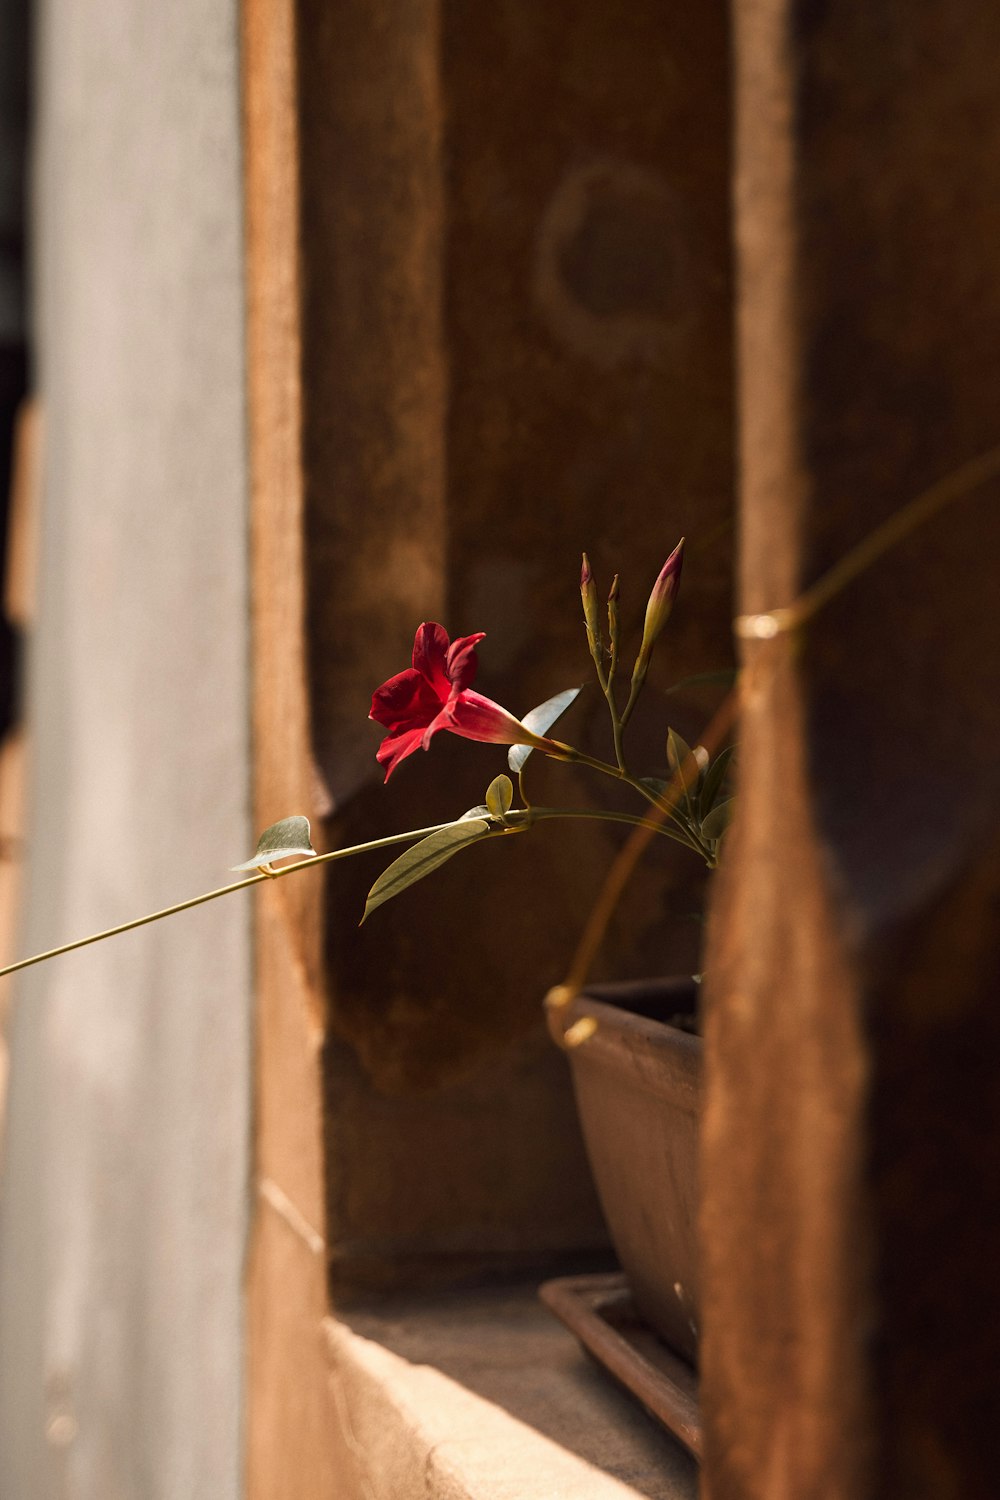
(430,657)
(405,701)
(396,747)
(439,722)
(477,718)
(462,662)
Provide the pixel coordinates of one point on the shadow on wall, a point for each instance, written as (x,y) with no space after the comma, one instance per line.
(14,75)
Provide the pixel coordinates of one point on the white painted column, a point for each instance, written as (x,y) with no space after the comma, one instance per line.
(124,1197)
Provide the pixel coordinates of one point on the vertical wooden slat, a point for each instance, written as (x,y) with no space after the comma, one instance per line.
(852,1133)
(289,1451)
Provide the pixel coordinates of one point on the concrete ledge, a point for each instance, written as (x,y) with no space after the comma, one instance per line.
(486,1397)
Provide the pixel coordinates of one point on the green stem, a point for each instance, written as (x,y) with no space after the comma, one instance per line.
(616,728)
(638,678)
(517,816)
(595,654)
(965,480)
(224,890)
(682,833)
(580,758)
(691,839)
(525,817)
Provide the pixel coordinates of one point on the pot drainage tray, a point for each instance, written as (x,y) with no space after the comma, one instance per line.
(600,1312)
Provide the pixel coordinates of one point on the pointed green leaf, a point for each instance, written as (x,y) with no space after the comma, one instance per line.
(659,788)
(680,754)
(678,750)
(714,781)
(719,819)
(422,859)
(540,720)
(289,836)
(683,765)
(499,796)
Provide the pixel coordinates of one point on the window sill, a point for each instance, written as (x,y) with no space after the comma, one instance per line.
(484,1396)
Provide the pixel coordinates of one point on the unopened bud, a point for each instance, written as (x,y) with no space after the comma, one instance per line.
(613,632)
(661,601)
(588,593)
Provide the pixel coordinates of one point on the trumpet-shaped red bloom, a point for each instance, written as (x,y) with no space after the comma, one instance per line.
(435,694)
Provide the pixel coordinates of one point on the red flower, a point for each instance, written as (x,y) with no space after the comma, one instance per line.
(435,694)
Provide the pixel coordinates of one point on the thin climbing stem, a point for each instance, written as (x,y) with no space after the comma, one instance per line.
(521,817)
(625,862)
(222,890)
(541,813)
(668,808)
(964,480)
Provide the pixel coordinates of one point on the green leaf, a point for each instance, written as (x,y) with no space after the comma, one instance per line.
(706,679)
(540,720)
(678,750)
(423,858)
(289,836)
(715,778)
(500,796)
(719,819)
(683,765)
(660,788)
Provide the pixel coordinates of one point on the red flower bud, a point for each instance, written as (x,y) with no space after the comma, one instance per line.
(661,600)
(588,593)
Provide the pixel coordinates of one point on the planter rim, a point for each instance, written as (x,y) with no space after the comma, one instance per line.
(653,1054)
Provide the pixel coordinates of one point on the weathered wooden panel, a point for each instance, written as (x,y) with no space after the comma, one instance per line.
(852,1151)
(489,326)
(515,341)
(291,1427)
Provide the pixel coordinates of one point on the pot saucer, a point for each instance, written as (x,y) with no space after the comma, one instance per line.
(600,1312)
